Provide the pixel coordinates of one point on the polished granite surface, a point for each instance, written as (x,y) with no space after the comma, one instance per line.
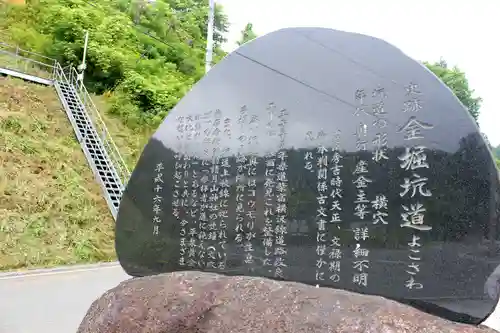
(323,157)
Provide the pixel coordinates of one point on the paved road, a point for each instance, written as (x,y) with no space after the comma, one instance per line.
(493,320)
(53,301)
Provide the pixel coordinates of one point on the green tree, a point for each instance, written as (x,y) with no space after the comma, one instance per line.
(456,80)
(145,54)
(247,34)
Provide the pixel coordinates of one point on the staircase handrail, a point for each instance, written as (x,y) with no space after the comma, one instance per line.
(57,73)
(45,63)
(19,50)
(107,140)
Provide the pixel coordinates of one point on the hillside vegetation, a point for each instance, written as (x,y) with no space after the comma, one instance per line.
(142,58)
(52,210)
(145,56)
(141,61)
(51,207)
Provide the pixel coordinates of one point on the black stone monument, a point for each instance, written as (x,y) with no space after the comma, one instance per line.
(324,157)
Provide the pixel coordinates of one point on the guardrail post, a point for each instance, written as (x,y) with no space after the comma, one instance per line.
(86,130)
(54,69)
(17,57)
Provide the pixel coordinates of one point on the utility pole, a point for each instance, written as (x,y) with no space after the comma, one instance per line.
(83,65)
(210,35)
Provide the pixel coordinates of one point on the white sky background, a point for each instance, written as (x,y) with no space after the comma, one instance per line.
(465,33)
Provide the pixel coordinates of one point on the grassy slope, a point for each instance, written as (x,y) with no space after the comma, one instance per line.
(51,209)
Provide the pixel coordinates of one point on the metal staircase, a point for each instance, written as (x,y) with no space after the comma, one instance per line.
(101,152)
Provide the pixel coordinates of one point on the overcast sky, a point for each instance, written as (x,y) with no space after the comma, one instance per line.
(464,33)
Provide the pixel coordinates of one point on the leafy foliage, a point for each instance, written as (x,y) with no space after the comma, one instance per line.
(456,80)
(247,34)
(146,55)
